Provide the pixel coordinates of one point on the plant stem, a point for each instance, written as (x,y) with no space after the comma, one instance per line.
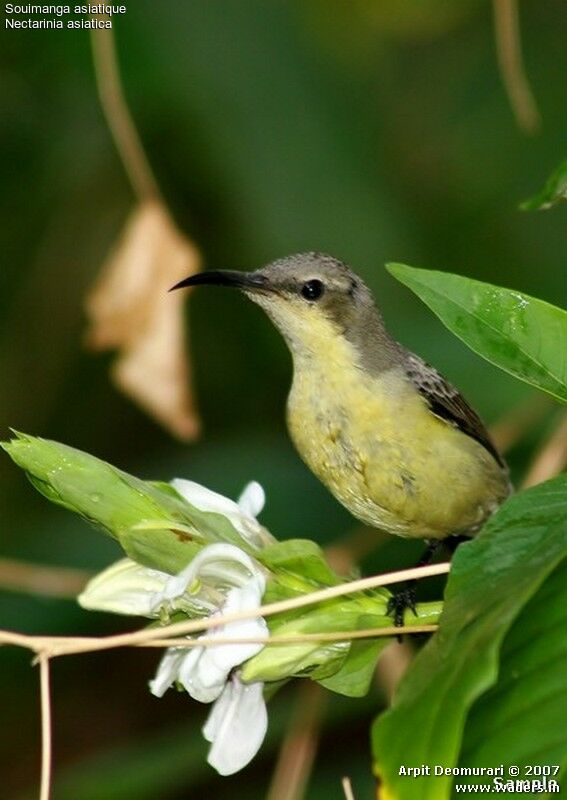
(19,576)
(118,116)
(509,48)
(193,626)
(299,746)
(45,786)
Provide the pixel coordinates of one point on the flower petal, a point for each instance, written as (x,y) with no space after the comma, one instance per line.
(204,499)
(217,661)
(241,515)
(168,670)
(191,678)
(252,499)
(124,588)
(205,677)
(236,726)
(216,563)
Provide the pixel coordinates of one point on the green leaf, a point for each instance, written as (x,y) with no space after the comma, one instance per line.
(520,334)
(492,579)
(276,662)
(154,524)
(279,661)
(521,720)
(105,496)
(166,549)
(321,660)
(555,189)
(354,677)
(299,556)
(355,674)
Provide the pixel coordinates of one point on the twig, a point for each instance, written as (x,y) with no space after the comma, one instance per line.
(347,788)
(61,645)
(508,45)
(118,116)
(551,458)
(299,638)
(193,626)
(53,645)
(47,647)
(20,576)
(45,786)
(298,749)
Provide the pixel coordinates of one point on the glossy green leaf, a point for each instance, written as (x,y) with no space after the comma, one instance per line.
(493,577)
(525,336)
(553,192)
(521,720)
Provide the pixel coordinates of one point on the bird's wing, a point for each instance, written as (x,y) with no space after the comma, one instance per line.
(447,402)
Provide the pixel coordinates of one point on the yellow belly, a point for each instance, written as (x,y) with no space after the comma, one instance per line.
(394,465)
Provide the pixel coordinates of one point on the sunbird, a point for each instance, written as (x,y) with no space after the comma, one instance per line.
(386,433)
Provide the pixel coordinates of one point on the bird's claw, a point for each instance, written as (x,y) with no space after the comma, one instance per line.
(398,603)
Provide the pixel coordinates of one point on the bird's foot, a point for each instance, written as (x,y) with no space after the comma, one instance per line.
(399,602)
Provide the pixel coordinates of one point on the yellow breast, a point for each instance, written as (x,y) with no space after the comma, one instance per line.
(375,444)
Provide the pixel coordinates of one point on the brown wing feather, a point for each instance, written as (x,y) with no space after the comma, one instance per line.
(447,402)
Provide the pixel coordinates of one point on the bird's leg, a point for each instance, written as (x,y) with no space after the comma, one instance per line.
(405,598)
(452,542)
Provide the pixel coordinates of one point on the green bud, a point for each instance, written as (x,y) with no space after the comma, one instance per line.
(152,522)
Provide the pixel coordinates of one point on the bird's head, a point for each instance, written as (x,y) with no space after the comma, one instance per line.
(312,298)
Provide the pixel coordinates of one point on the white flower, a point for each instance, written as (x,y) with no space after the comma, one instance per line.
(130,588)
(221,579)
(124,588)
(203,671)
(236,726)
(242,514)
(238,720)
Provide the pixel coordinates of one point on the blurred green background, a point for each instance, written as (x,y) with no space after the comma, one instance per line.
(374,131)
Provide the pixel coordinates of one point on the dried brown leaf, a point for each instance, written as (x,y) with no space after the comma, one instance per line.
(130,309)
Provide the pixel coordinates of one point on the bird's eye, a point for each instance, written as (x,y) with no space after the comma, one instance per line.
(312,290)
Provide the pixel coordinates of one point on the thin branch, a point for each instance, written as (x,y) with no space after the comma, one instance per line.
(509,48)
(53,645)
(300,638)
(35,643)
(193,626)
(118,116)
(297,753)
(61,645)
(48,646)
(21,576)
(45,786)
(347,788)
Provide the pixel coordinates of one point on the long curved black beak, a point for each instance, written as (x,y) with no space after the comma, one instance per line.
(248,281)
